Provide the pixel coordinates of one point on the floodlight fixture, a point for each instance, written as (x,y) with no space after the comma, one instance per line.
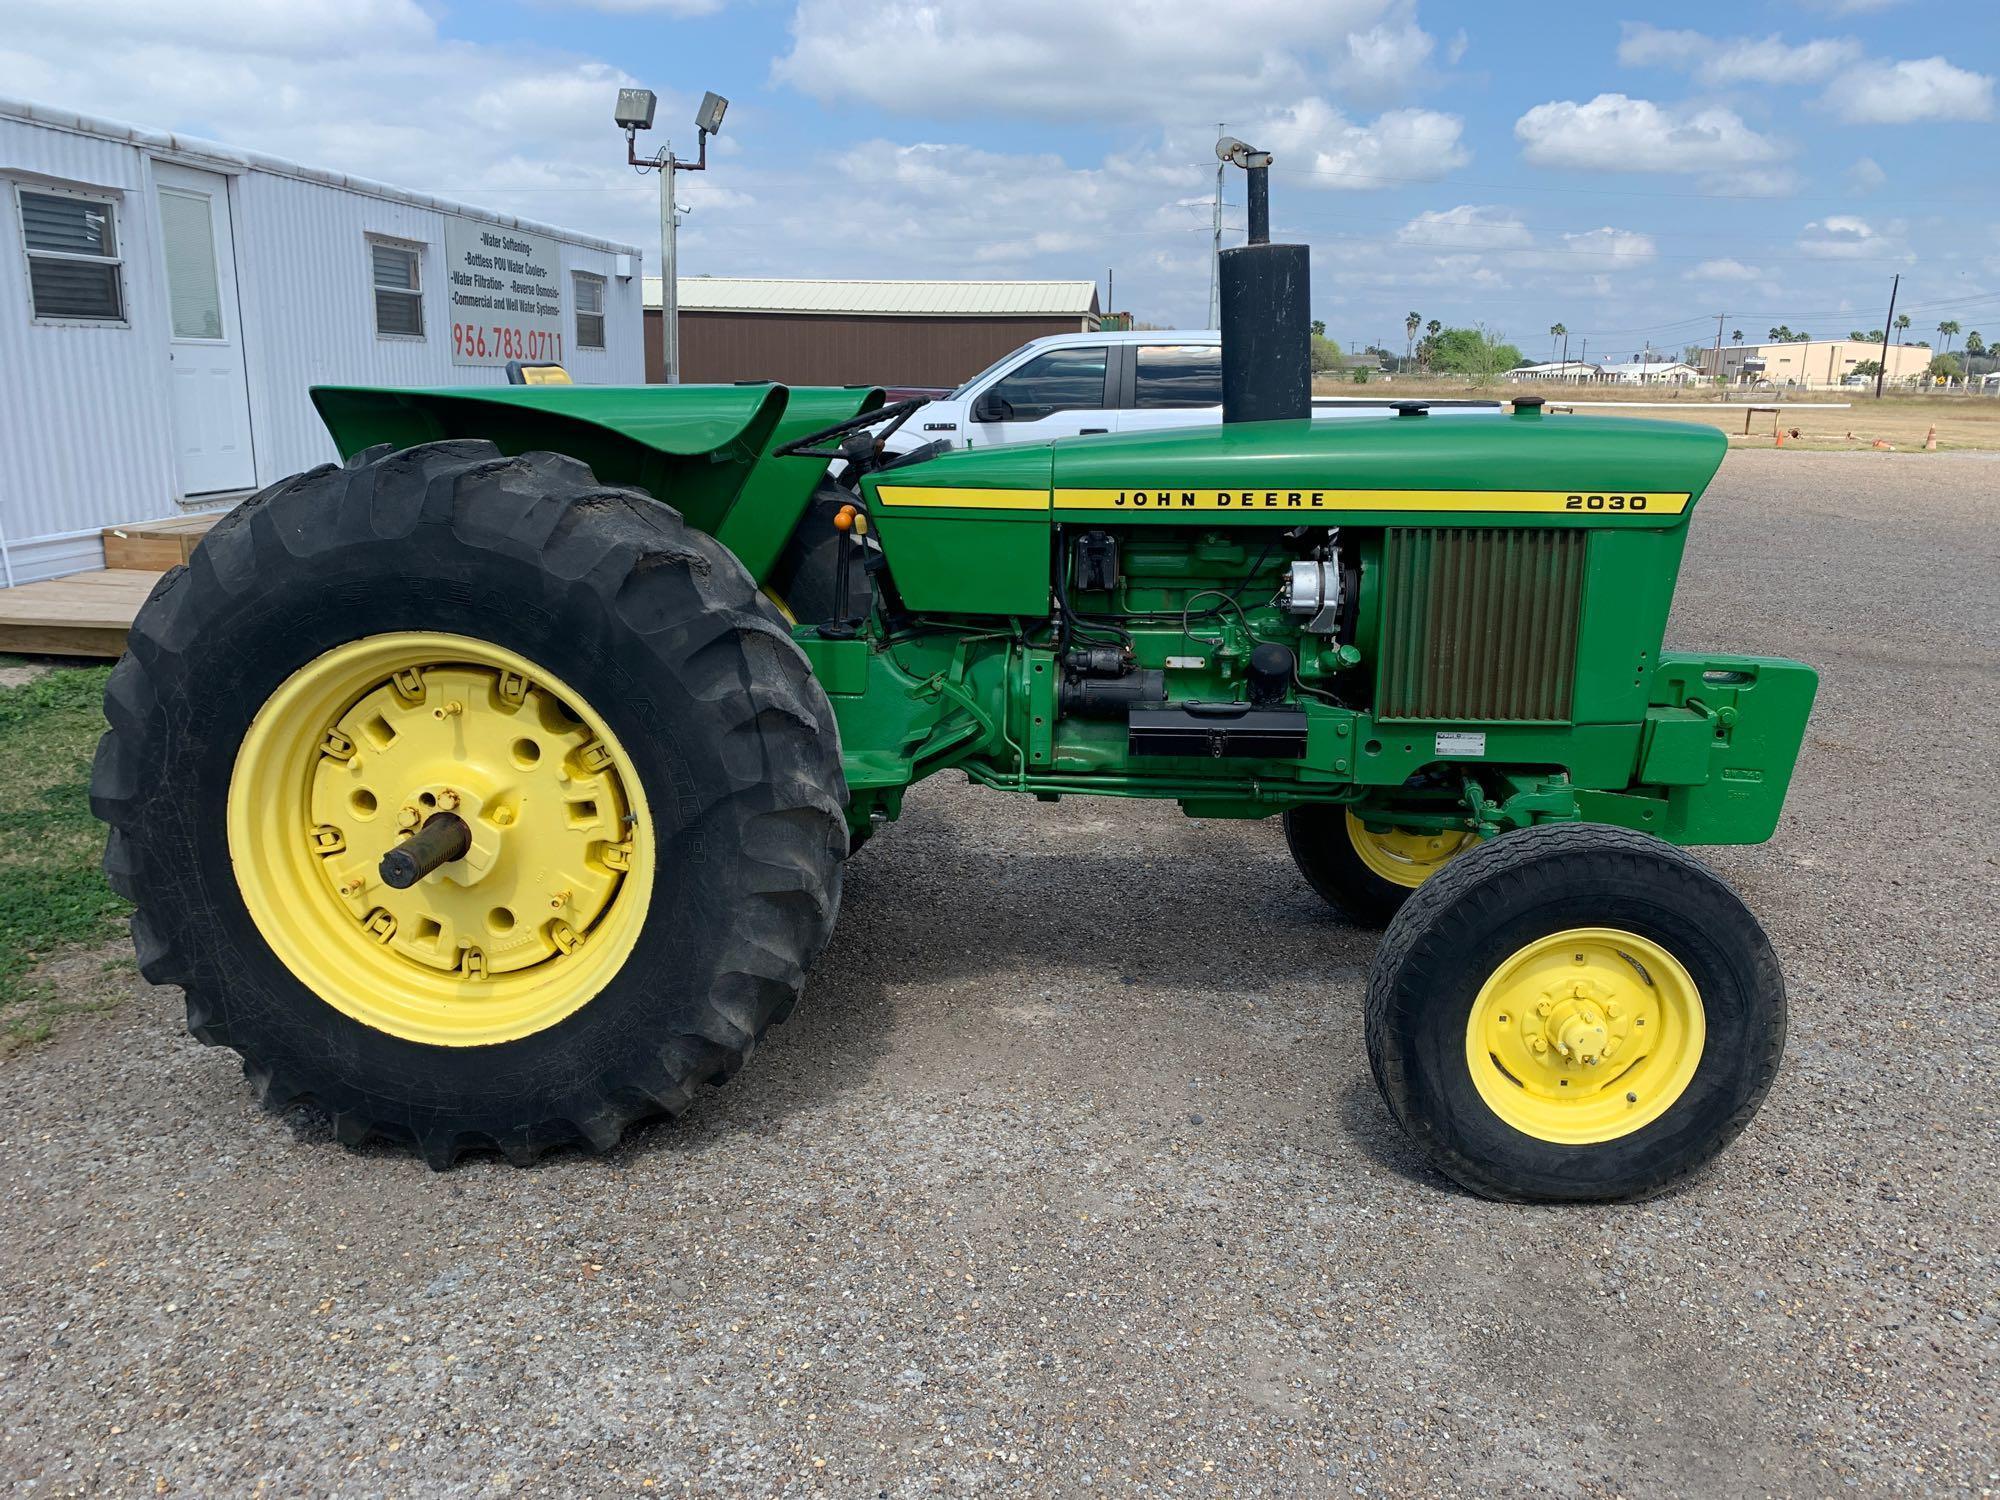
(635,109)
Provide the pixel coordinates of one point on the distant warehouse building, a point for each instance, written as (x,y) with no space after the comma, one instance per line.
(808,332)
(1813,364)
(165,303)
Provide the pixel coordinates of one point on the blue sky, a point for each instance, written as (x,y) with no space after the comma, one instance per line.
(1630,170)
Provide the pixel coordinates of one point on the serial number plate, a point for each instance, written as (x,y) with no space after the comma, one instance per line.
(1460,742)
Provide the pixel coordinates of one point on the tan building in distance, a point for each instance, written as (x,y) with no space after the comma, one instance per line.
(1818,365)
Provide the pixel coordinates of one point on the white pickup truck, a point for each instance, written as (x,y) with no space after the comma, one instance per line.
(1124,381)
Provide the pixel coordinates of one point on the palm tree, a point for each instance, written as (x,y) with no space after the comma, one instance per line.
(1736,337)
(1556,333)
(1902,323)
(1948,329)
(1432,328)
(1411,323)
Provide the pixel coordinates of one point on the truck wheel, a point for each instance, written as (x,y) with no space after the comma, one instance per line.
(1574,1013)
(643,775)
(1366,873)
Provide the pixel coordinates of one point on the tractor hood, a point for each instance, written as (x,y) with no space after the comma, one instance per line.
(1524,465)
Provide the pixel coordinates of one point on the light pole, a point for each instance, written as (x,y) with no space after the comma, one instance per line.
(635,113)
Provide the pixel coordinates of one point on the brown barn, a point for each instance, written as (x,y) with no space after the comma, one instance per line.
(922,333)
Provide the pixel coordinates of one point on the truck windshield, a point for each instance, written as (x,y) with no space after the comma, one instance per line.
(966,390)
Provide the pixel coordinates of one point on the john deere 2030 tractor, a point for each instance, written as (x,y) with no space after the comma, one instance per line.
(491,789)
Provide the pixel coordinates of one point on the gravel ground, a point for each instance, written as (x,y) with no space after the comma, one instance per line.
(1069,1176)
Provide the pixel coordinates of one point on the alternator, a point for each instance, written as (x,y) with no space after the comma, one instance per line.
(1313,588)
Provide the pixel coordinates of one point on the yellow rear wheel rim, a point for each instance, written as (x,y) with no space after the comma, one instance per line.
(1402,856)
(354,751)
(1585,1035)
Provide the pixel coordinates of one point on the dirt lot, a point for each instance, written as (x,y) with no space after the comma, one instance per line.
(1069,1176)
(1961,423)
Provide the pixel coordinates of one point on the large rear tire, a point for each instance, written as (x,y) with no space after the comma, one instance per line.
(649,774)
(1574,1013)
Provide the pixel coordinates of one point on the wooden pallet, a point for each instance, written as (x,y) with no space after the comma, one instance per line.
(155,546)
(85,614)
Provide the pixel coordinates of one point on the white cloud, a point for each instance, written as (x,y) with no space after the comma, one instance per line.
(1846,237)
(1614,133)
(1725,269)
(682,9)
(1905,92)
(1057,59)
(1383,61)
(1466,227)
(359,88)
(1321,148)
(1865,175)
(1743,59)
(1496,239)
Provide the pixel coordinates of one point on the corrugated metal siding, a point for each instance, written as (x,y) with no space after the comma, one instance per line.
(308,308)
(907,299)
(1479,624)
(817,350)
(86,437)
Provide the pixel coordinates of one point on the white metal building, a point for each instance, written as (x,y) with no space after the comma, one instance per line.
(166,302)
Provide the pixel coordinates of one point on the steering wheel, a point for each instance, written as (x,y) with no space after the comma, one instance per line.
(896,414)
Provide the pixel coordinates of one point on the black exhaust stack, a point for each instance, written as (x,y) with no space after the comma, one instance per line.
(1266,310)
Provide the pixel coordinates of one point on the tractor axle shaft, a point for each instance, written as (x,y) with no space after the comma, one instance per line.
(443,838)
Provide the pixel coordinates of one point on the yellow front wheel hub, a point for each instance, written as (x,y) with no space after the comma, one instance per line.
(355,752)
(1585,1035)
(1402,856)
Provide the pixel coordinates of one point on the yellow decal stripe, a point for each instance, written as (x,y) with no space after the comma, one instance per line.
(1539,502)
(962,499)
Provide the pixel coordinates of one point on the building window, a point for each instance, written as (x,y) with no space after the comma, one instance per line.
(399,295)
(1178,375)
(73,264)
(589,311)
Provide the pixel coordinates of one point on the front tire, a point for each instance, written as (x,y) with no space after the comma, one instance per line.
(650,774)
(1574,1013)
(1366,873)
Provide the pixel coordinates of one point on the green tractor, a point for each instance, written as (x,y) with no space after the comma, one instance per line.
(491,790)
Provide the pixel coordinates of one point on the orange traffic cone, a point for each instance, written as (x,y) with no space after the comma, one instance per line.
(1930,439)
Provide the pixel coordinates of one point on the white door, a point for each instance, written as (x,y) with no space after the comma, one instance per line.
(1058,393)
(207,387)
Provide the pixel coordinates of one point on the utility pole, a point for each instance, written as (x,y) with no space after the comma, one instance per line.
(1215,250)
(1882,364)
(1717,371)
(670,277)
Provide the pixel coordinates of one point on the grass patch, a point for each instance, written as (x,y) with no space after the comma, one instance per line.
(52,892)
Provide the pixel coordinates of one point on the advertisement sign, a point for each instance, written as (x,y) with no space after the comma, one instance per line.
(505,290)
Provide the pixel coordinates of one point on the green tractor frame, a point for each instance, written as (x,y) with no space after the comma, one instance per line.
(490,790)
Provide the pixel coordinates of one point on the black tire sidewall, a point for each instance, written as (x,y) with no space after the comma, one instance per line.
(1324,852)
(657,1008)
(1426,1003)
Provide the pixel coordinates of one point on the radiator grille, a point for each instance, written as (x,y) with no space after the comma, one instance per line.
(1479,624)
